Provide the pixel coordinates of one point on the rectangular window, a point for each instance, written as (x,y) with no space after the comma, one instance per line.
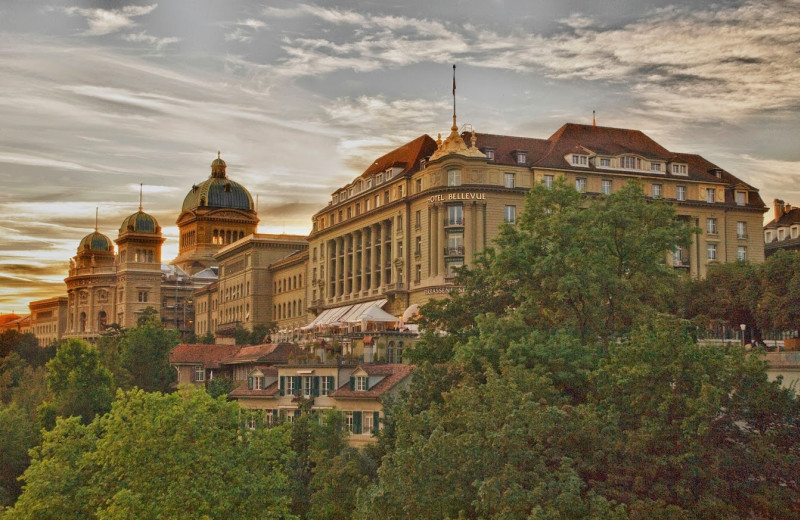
(308,386)
(455,244)
(508,180)
(680,193)
(361,383)
(455,215)
(348,421)
(579,160)
(418,273)
(143,296)
(655,167)
(510,214)
(605,161)
(289,385)
(417,246)
(548,181)
(418,219)
(522,157)
(712,251)
(710,195)
(199,373)
(418,184)
(580,184)
(741,253)
(741,229)
(326,385)
(400,192)
(367,426)
(454,178)
(711,226)
(489,152)
(605,187)
(740,198)
(656,190)
(679,169)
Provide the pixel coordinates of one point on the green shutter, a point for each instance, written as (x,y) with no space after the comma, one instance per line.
(283,384)
(298,381)
(376,419)
(357,422)
(331,384)
(263,382)
(352,383)
(275,417)
(250,383)
(315,387)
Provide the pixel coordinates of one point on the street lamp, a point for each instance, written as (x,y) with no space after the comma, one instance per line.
(742,326)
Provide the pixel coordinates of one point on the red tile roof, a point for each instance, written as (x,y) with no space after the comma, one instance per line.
(406,156)
(210,356)
(5,318)
(506,146)
(393,374)
(787,219)
(269,353)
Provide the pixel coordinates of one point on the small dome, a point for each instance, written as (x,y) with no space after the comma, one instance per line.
(139,222)
(218,167)
(95,241)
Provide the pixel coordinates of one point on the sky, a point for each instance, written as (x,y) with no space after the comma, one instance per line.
(98,97)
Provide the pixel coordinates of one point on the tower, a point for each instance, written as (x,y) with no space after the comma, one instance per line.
(215,213)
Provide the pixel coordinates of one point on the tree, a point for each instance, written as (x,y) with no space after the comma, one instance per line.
(153,456)
(220,385)
(16,438)
(78,382)
(145,354)
(779,306)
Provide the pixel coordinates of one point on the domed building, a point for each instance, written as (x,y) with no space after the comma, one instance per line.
(138,267)
(215,213)
(90,286)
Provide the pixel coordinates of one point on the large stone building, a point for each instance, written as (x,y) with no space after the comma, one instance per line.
(398,231)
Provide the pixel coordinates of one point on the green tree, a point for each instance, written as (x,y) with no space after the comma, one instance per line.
(220,385)
(78,382)
(145,354)
(16,438)
(779,306)
(154,456)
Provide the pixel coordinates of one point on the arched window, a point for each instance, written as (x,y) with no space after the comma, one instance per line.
(83,322)
(101,320)
(215,240)
(228,237)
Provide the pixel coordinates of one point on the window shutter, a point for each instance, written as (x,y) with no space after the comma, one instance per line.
(315,387)
(263,381)
(283,384)
(250,383)
(352,383)
(376,417)
(331,386)
(275,416)
(297,382)
(357,422)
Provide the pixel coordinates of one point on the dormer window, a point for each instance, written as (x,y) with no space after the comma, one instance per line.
(580,160)
(422,164)
(605,162)
(741,198)
(369,183)
(522,157)
(336,198)
(379,179)
(629,162)
(489,152)
(655,167)
(679,169)
(361,383)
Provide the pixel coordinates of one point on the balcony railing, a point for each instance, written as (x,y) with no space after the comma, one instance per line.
(454,221)
(680,262)
(454,251)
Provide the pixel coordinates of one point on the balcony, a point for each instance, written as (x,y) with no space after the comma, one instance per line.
(450,279)
(394,288)
(454,251)
(454,222)
(741,236)
(681,263)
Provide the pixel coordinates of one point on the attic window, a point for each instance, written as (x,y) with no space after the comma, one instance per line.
(422,164)
(630,162)
(361,383)
(741,198)
(605,161)
(580,160)
(522,157)
(655,167)
(679,169)
(489,152)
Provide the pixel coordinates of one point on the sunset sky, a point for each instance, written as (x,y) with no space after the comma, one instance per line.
(97,97)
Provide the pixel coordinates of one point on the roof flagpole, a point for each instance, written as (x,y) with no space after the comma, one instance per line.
(454,96)
(140,196)
(96,217)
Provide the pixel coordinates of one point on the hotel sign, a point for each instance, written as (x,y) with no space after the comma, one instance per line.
(446,197)
(443,290)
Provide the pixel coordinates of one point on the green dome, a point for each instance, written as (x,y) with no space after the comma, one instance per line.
(95,241)
(139,222)
(218,191)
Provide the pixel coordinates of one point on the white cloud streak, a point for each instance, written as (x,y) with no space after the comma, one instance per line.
(107,21)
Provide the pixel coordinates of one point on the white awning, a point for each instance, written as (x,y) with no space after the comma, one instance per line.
(344,314)
(374,314)
(412,311)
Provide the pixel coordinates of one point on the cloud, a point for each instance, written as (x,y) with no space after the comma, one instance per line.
(721,63)
(107,21)
(155,41)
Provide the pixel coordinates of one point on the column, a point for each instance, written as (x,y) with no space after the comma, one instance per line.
(433,241)
(364,259)
(480,227)
(469,232)
(386,241)
(442,242)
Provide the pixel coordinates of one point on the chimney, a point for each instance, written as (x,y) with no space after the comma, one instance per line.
(787,208)
(778,207)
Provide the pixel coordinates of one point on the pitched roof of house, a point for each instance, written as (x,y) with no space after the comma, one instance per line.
(506,146)
(242,391)
(210,356)
(268,354)
(787,219)
(392,375)
(406,156)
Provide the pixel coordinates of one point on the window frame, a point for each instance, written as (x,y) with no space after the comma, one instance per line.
(509,176)
(510,214)
(453,177)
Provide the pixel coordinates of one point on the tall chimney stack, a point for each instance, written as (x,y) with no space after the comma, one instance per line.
(778,207)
